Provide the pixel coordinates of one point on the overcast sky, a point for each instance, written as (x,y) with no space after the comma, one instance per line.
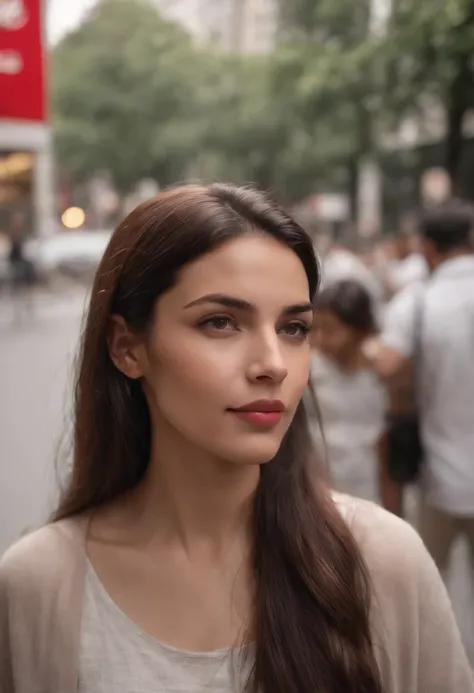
(64,15)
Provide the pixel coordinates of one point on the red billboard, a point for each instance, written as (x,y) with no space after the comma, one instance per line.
(21,60)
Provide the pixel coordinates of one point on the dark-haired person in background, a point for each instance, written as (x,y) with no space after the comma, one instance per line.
(436,320)
(197,547)
(352,399)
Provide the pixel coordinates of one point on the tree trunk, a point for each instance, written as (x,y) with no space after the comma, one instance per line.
(353,186)
(457,107)
(454,142)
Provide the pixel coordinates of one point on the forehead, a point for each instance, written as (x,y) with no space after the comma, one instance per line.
(254,267)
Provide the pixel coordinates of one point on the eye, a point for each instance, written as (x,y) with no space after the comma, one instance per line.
(218,323)
(297,329)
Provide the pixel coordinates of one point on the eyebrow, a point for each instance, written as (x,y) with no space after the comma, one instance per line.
(240,304)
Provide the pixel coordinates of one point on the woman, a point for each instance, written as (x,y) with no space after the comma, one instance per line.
(195,547)
(352,400)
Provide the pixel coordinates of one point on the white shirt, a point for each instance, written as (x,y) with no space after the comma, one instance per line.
(407,271)
(116,656)
(446,378)
(353,408)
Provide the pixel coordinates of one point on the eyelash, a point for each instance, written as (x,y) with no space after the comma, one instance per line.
(304,327)
(210,322)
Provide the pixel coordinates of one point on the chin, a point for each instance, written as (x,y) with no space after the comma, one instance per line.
(253,453)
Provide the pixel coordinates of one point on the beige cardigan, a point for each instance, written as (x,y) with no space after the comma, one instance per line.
(418,646)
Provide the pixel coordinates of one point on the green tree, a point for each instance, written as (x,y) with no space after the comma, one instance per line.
(331,66)
(430,58)
(122,92)
(325,21)
(240,124)
(132,95)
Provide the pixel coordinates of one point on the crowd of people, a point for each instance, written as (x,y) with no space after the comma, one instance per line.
(392,366)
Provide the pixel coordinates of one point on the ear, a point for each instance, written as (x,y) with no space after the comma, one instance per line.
(125,347)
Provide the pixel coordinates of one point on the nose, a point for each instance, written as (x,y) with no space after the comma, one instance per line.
(266,361)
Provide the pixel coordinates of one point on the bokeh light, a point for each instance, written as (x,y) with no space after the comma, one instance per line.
(73,218)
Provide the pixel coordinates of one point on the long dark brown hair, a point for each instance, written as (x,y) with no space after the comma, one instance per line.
(311,621)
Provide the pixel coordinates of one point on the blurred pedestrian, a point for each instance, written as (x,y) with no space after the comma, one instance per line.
(16,255)
(352,400)
(340,263)
(432,323)
(22,270)
(404,263)
(195,546)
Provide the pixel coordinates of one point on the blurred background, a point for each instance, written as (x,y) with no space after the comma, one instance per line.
(354,112)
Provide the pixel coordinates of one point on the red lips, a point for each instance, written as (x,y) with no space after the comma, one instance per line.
(263,405)
(263,413)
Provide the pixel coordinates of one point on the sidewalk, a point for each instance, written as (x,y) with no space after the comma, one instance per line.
(59,301)
(459,583)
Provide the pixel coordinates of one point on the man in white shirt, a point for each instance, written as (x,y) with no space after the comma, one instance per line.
(433,322)
(407,266)
(409,270)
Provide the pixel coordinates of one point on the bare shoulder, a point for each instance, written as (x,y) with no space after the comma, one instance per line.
(42,552)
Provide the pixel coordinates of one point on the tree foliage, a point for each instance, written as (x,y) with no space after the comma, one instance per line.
(134,96)
(333,57)
(121,87)
(429,57)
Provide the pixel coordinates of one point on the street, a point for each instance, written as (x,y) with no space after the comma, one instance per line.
(36,361)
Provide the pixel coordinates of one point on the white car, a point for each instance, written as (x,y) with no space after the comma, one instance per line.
(72,252)
(75,253)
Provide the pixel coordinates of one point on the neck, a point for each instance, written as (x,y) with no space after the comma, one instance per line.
(190,498)
(451,255)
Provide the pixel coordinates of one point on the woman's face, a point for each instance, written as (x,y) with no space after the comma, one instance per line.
(231,334)
(332,337)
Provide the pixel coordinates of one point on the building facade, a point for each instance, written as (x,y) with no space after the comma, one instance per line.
(259,26)
(247,26)
(26,154)
(186,12)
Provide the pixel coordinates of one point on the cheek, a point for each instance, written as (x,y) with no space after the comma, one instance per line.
(187,374)
(298,374)
(189,389)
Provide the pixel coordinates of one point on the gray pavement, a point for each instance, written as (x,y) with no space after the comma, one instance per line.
(459,582)
(462,596)
(36,357)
